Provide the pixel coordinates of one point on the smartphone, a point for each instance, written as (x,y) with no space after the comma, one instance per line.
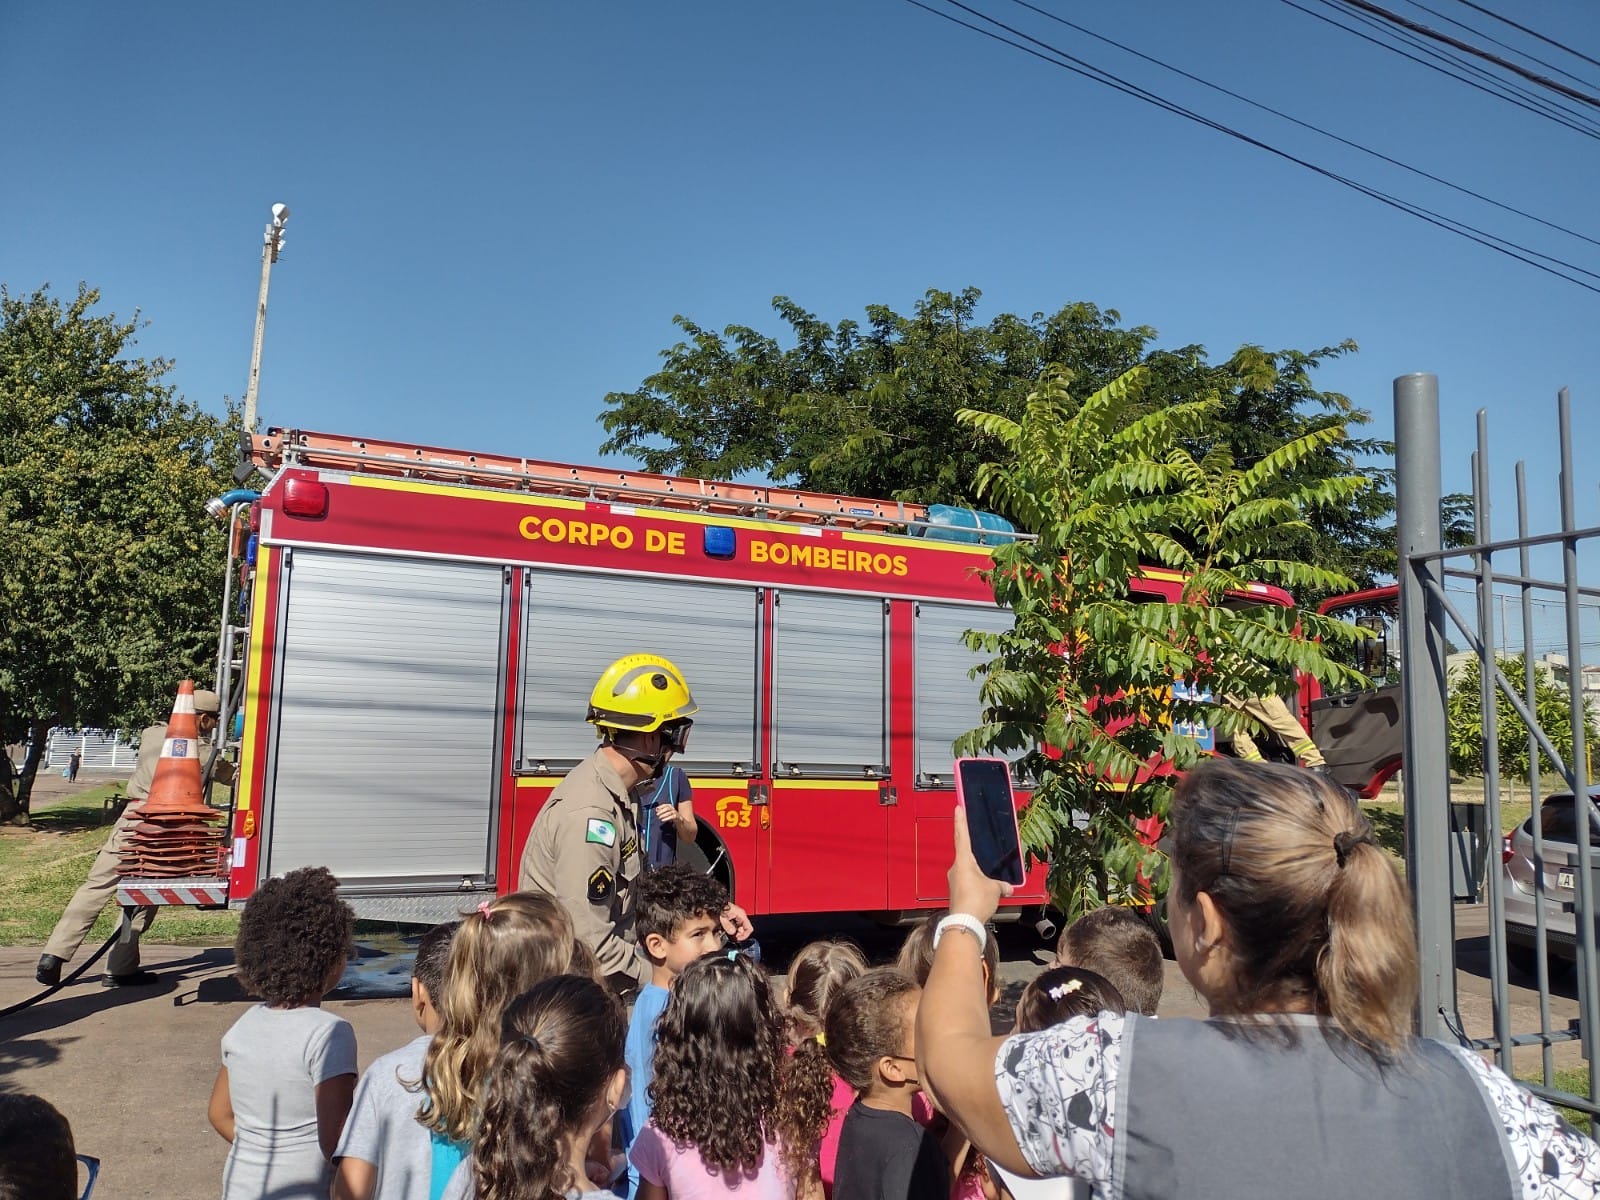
(983,789)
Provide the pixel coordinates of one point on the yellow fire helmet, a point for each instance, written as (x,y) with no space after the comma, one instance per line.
(641,692)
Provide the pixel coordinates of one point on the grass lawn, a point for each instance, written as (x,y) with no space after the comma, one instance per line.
(42,864)
(1574,1080)
(1387,814)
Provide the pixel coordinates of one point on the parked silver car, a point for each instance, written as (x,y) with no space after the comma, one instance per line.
(1558,829)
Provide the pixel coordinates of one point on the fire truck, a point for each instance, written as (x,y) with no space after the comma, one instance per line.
(410,635)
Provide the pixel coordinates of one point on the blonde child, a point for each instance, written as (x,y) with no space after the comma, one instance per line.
(384,1153)
(722,1121)
(558,1080)
(916,955)
(503,948)
(884,1154)
(816,975)
(288,1068)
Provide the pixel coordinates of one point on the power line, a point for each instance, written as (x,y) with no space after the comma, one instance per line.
(1544,81)
(1267,108)
(1433,12)
(1533,33)
(1510,89)
(1548,110)
(1077,66)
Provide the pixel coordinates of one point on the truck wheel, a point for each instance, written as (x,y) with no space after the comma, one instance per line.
(709,856)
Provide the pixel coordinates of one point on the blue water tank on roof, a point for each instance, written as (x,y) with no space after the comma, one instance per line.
(951,523)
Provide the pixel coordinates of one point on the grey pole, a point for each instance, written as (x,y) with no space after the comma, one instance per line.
(1427,781)
(271,246)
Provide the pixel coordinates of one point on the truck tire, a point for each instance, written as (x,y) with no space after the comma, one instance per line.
(709,856)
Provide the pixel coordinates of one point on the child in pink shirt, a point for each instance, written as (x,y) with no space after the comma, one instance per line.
(725,1118)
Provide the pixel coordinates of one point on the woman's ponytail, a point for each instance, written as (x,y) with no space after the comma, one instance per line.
(1318,917)
(1367,971)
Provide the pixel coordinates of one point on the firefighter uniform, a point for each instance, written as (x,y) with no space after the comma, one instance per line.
(583,850)
(101,886)
(1275,715)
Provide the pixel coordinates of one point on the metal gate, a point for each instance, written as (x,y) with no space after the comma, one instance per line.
(1560,896)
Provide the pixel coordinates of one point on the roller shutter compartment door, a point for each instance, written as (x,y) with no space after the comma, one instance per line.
(946,702)
(578,624)
(384,747)
(830,692)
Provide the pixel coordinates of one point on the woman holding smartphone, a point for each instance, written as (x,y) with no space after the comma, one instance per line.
(1294,927)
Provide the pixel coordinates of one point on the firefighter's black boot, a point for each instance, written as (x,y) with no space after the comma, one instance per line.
(48,972)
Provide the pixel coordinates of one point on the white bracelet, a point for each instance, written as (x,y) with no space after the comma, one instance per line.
(964,921)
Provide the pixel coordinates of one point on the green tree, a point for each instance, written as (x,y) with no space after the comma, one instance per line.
(110,569)
(869,408)
(1080,688)
(1465,734)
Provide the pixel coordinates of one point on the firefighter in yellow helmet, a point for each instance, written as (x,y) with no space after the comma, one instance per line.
(584,848)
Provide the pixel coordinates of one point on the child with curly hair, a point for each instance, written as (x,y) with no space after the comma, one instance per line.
(884,1152)
(288,1068)
(558,1080)
(502,949)
(723,1120)
(816,975)
(676,913)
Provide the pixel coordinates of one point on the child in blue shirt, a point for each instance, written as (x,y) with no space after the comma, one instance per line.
(676,916)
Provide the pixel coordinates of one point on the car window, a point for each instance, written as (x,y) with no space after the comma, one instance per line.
(1556,822)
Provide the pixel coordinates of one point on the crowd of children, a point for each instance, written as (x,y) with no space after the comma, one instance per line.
(518,1087)
(528,1080)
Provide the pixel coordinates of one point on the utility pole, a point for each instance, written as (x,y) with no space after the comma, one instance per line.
(272,246)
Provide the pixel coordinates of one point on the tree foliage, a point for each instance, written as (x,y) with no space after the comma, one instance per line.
(1081,687)
(1467,738)
(110,569)
(869,408)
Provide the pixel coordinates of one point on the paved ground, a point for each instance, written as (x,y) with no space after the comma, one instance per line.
(133,1069)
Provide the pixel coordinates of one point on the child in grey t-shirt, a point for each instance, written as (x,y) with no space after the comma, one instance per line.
(385,1153)
(288,1068)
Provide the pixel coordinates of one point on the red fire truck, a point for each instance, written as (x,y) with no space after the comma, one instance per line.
(412,633)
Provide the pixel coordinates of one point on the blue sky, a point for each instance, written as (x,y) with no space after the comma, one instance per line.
(498,207)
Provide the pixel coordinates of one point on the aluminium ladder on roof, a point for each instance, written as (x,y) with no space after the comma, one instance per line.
(301,448)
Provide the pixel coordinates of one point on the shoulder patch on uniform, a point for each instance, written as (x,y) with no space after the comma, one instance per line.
(603,832)
(601,885)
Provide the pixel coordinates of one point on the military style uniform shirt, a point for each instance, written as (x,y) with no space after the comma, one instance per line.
(583,850)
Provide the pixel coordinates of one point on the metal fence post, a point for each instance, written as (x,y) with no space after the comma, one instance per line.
(1427,779)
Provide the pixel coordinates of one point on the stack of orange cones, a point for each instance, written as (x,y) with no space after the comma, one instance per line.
(178,834)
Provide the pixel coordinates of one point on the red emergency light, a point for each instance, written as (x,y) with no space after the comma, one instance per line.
(305,498)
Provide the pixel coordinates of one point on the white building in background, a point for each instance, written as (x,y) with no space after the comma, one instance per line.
(1590,672)
(102,750)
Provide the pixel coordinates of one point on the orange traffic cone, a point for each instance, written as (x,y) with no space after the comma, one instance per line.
(178,786)
(175,836)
